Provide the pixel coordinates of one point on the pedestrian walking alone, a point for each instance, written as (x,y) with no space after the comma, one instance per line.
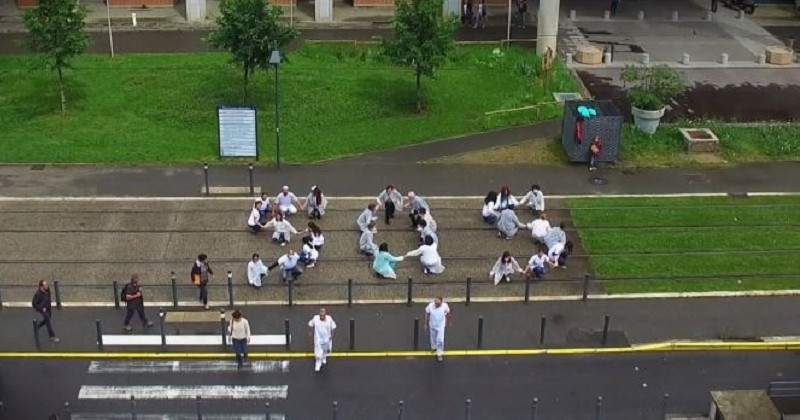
(437,318)
(321,328)
(239,331)
(132,296)
(201,274)
(43,305)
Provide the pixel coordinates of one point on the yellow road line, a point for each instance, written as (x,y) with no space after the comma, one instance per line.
(671,346)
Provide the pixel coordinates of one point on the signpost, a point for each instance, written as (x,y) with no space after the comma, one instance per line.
(238,136)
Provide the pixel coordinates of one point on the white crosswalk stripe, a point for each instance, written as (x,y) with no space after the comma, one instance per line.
(184,392)
(190,366)
(187,340)
(118,416)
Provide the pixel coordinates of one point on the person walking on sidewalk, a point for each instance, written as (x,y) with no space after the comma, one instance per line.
(595,149)
(239,331)
(391,200)
(614,6)
(321,328)
(437,318)
(43,305)
(134,301)
(480,16)
(201,274)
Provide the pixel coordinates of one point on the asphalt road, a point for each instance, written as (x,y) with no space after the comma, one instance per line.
(499,388)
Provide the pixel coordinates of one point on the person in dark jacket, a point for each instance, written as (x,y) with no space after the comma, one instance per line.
(135,303)
(43,305)
(201,272)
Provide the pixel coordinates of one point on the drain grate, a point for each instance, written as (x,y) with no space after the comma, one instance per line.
(37,167)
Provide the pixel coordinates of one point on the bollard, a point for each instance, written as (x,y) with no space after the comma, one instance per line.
(585,287)
(534,408)
(709,15)
(133,19)
(598,412)
(573,14)
(468,299)
(36,336)
(174,284)
(349,293)
(645,58)
(252,187)
(640,15)
(205,177)
(286,334)
(99,327)
(115,285)
(230,289)
(400,410)
(161,315)
(527,290)
(740,15)
(352,334)
(723,59)
(762,59)
(335,410)
(569,58)
(467,409)
(133,407)
(222,328)
(605,329)
(1,300)
(664,406)
(199,407)
(607,58)
(606,14)
(542,329)
(480,332)
(58,294)
(686,59)
(68,411)
(416,334)
(674,17)
(410,291)
(290,291)
(267,413)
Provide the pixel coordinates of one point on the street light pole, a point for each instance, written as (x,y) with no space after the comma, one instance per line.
(275,60)
(110,33)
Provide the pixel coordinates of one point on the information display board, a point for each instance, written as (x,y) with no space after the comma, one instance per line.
(238,136)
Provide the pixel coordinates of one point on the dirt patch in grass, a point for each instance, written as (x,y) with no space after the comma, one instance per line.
(537,151)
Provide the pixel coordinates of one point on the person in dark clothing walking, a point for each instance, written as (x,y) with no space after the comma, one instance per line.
(201,272)
(43,305)
(614,6)
(134,300)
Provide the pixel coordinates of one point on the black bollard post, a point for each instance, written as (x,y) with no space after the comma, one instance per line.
(534,408)
(542,330)
(230,289)
(133,407)
(352,334)
(349,293)
(267,414)
(410,291)
(467,409)
(199,400)
(416,334)
(468,300)
(115,285)
(58,293)
(585,287)
(1,300)
(664,406)
(252,187)
(480,332)
(222,329)
(286,334)
(161,316)
(205,177)
(36,336)
(68,411)
(174,284)
(335,410)
(605,329)
(527,289)
(598,412)
(99,328)
(400,410)
(290,290)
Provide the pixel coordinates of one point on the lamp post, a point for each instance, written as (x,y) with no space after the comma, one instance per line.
(110,31)
(275,60)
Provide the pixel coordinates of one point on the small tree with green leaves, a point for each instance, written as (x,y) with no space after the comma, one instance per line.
(250,30)
(423,38)
(652,87)
(56,31)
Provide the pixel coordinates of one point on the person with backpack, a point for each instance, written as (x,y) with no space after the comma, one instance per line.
(201,274)
(43,305)
(132,296)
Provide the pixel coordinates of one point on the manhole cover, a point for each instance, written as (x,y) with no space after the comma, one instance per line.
(596,180)
(37,167)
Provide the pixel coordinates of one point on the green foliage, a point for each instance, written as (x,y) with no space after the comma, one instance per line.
(250,30)
(56,31)
(423,39)
(652,86)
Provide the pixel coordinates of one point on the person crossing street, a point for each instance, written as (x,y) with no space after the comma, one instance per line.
(437,318)
(321,328)
(43,305)
(133,298)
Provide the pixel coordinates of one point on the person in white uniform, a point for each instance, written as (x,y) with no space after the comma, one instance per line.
(505,266)
(321,328)
(437,318)
(287,202)
(429,257)
(534,200)
(256,271)
(539,228)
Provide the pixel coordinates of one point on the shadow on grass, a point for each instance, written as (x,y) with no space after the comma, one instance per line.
(390,95)
(37,94)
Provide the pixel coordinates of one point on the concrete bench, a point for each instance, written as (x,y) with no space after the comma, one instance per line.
(589,54)
(779,55)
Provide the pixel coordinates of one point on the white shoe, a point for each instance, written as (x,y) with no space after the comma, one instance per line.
(317,366)
(310,265)
(325,361)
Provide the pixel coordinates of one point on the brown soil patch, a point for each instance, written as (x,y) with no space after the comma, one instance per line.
(538,151)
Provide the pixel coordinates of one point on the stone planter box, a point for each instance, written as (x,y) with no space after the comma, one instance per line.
(589,54)
(779,55)
(700,140)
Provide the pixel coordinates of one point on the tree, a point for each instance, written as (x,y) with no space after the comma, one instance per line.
(56,31)
(423,38)
(250,30)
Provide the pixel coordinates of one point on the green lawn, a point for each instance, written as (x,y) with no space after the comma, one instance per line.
(691,244)
(336,100)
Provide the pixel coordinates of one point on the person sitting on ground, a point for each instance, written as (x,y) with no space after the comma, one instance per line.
(316,203)
(308,255)
(537,265)
(559,252)
(286,202)
(391,200)
(366,244)
(489,214)
(425,231)
(366,217)
(256,271)
(385,263)
(288,265)
(425,215)
(508,224)
(534,199)
(414,204)
(505,199)
(429,257)
(505,266)
(254,220)
(283,230)
(555,235)
(595,149)
(266,206)
(315,233)
(539,228)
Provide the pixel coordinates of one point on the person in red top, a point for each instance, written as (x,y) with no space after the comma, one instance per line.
(594,152)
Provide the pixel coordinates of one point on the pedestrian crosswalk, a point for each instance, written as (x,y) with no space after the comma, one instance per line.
(187,340)
(156,383)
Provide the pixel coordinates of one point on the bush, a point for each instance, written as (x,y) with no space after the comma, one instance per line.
(652,87)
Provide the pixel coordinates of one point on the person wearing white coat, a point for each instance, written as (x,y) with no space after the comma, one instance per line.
(534,200)
(505,266)
(322,328)
(429,257)
(283,230)
(508,224)
(256,271)
(316,203)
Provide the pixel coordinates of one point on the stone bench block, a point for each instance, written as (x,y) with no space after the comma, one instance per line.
(779,55)
(589,54)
